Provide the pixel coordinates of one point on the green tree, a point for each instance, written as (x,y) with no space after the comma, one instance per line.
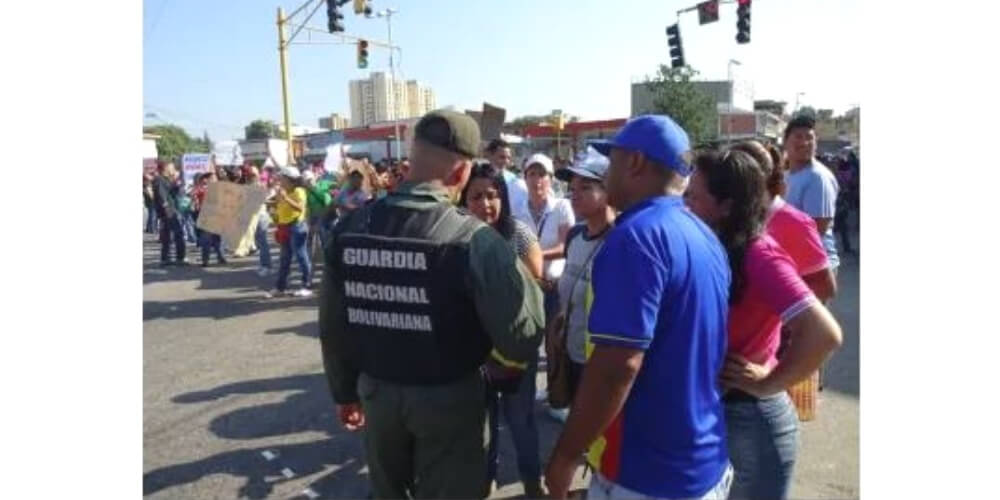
(174,141)
(675,95)
(261,129)
(807,111)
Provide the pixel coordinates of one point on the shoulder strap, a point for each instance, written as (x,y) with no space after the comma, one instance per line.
(572,234)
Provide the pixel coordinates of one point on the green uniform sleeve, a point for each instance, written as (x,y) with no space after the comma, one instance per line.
(508,300)
(338,363)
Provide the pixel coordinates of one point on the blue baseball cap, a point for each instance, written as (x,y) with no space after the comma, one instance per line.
(657,137)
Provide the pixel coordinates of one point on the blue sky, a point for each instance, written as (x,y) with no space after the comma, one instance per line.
(213,65)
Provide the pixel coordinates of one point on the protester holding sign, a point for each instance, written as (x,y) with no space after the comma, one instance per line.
(292,232)
(208,241)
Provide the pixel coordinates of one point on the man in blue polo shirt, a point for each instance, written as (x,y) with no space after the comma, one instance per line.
(648,406)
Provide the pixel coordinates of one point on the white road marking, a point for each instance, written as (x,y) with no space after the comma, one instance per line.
(287,473)
(269,455)
(310,493)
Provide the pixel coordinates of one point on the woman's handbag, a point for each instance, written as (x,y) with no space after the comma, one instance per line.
(557,363)
(283,233)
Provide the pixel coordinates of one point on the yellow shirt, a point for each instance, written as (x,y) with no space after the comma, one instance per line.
(289,215)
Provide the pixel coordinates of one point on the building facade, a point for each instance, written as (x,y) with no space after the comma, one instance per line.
(380,99)
(334,122)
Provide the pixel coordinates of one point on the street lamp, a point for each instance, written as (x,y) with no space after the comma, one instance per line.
(387,14)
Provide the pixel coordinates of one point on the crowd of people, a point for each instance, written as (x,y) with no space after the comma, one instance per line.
(302,204)
(679,294)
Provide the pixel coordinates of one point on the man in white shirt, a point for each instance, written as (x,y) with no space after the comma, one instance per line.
(500,157)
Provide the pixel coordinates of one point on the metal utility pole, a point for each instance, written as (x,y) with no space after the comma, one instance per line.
(283,58)
(284,40)
(387,14)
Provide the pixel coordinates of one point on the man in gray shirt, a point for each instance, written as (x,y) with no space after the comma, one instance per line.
(812,187)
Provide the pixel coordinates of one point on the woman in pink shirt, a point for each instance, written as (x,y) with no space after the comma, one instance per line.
(728,191)
(793,229)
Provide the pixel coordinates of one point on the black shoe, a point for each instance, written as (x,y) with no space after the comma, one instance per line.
(182,263)
(166,263)
(204,264)
(223,262)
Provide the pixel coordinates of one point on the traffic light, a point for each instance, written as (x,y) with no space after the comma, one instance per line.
(334,19)
(708,12)
(674,42)
(362,54)
(743,22)
(362,7)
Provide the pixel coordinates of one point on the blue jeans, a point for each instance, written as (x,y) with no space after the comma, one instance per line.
(263,245)
(317,229)
(151,220)
(519,412)
(209,242)
(762,440)
(188,223)
(296,244)
(170,229)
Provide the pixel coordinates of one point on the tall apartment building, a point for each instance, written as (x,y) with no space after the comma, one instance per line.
(380,99)
(334,122)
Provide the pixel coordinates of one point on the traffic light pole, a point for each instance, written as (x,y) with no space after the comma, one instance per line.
(392,71)
(283,59)
(284,41)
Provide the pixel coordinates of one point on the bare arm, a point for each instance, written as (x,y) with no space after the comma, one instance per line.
(814,335)
(822,224)
(533,260)
(558,251)
(822,283)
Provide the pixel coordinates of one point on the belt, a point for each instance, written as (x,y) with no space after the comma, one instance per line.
(738,396)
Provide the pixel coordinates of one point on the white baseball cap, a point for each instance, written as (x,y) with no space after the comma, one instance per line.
(308,176)
(540,159)
(291,172)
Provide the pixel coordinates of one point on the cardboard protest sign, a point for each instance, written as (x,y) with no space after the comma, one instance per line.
(193,164)
(491,121)
(229,209)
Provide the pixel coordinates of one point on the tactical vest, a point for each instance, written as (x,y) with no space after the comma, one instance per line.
(407,306)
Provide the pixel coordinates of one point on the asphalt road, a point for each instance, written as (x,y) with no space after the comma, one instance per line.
(235,404)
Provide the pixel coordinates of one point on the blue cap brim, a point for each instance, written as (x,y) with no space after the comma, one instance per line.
(603,147)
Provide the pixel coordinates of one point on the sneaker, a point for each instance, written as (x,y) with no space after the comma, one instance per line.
(181,263)
(302,292)
(223,261)
(560,414)
(263,272)
(275,293)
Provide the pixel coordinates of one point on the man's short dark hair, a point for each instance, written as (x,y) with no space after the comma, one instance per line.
(496,144)
(801,121)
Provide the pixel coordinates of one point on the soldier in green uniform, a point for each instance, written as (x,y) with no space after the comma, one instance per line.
(420,303)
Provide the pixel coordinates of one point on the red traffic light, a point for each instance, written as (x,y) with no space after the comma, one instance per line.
(363,44)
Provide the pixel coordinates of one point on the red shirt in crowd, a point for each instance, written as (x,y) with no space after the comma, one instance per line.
(796,232)
(774,293)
